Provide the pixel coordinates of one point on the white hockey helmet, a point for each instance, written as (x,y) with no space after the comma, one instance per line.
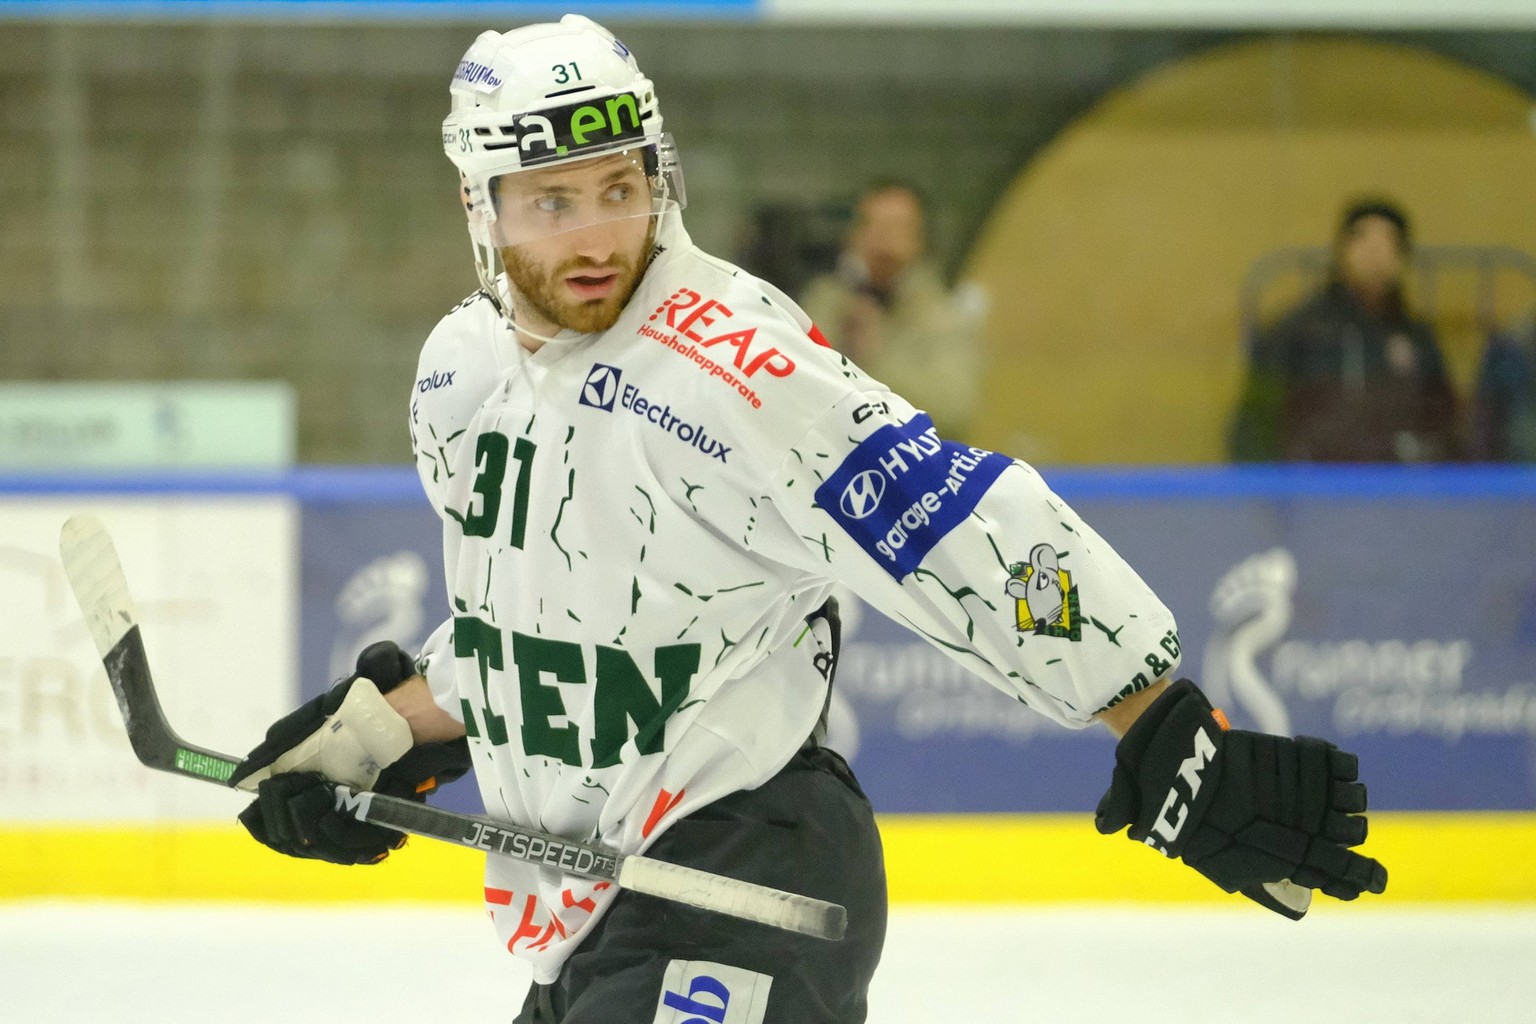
(545,95)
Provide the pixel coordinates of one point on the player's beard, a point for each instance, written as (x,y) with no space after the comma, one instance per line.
(544,292)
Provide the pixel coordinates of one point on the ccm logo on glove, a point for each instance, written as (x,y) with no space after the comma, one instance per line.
(1170,820)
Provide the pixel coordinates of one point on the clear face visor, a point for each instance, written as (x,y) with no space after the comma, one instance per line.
(601,193)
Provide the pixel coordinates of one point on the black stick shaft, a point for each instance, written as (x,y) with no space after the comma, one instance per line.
(479,833)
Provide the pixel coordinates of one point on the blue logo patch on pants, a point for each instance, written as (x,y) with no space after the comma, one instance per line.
(703,992)
(903,488)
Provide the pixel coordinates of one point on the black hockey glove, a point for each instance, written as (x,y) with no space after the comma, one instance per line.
(1242,808)
(295,813)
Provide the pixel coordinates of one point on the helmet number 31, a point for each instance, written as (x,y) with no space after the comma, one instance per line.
(566,73)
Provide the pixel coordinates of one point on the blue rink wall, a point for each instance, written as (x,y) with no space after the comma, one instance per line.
(1393,611)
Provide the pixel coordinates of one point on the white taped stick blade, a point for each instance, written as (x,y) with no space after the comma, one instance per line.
(746,900)
(96,576)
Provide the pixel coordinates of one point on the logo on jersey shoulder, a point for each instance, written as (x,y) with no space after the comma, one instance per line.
(1045,598)
(861,498)
(702,992)
(903,489)
(604,388)
(682,323)
(869,409)
(601,389)
(434,380)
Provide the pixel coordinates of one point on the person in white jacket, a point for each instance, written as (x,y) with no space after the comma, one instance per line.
(651,471)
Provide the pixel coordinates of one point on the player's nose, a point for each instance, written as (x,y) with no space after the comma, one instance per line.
(597,242)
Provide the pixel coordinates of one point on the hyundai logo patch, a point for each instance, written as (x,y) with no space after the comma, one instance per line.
(862,495)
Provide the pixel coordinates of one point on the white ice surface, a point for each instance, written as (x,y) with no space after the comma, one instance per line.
(62,962)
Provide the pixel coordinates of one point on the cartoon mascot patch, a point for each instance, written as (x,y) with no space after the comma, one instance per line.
(1045,600)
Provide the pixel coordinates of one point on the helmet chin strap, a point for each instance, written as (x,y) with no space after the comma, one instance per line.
(536,336)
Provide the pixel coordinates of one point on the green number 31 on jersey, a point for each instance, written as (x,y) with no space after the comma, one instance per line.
(491,450)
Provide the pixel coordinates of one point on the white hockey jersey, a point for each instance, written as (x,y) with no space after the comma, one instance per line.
(637,523)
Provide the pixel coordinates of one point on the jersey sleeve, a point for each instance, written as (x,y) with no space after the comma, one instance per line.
(970,549)
(455,373)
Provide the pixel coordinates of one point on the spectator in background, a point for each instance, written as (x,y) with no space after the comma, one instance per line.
(1350,375)
(1504,408)
(886,307)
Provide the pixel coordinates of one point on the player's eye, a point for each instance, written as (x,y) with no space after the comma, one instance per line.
(621,192)
(551,203)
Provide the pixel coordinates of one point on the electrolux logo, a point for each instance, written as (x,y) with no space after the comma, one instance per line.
(604,388)
(601,389)
(436,379)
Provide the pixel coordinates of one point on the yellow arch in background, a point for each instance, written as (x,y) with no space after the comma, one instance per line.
(1114,259)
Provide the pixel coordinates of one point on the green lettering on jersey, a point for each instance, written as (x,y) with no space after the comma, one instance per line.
(478,639)
(621,695)
(536,656)
(624,696)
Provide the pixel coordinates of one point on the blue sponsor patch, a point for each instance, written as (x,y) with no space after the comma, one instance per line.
(903,488)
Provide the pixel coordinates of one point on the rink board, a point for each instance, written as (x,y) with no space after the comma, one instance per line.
(930,859)
(1393,611)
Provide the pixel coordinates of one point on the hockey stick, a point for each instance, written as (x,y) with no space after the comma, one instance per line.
(96,576)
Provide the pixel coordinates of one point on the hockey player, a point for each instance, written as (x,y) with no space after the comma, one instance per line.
(650,472)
